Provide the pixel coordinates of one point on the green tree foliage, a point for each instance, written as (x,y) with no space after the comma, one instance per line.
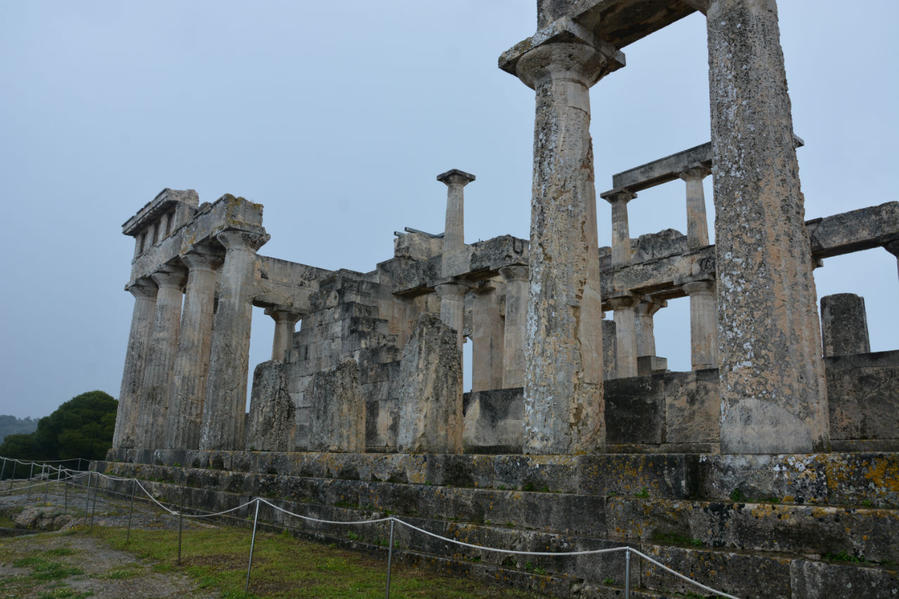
(81,427)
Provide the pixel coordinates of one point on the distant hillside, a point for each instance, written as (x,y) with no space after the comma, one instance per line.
(10,425)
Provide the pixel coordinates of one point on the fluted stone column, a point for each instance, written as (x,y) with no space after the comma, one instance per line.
(703,324)
(516,279)
(452,308)
(285,326)
(563,400)
(142,317)
(155,398)
(773,393)
(188,388)
(487,341)
(621,240)
(455,256)
(625,308)
(226,387)
(697,222)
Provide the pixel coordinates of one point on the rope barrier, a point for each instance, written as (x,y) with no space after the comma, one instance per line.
(72,474)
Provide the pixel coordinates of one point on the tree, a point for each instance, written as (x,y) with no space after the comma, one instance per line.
(80,428)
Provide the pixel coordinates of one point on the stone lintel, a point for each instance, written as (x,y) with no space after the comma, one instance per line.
(854,231)
(669,168)
(162,203)
(563,30)
(455,177)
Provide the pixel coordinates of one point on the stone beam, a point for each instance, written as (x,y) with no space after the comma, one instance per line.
(854,231)
(285,285)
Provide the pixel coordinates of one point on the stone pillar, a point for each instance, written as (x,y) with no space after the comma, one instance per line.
(130,396)
(563,400)
(155,400)
(893,248)
(454,232)
(697,223)
(625,335)
(188,387)
(647,361)
(703,324)
(609,349)
(226,387)
(621,239)
(452,308)
(285,326)
(844,325)
(487,341)
(516,278)
(773,393)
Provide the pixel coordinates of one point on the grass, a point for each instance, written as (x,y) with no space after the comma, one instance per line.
(283,566)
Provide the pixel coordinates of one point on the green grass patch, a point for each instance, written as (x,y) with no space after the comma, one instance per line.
(44,569)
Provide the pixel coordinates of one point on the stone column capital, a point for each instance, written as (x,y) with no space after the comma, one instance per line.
(201,259)
(451,289)
(695,287)
(455,177)
(622,302)
(695,172)
(648,306)
(514,272)
(283,315)
(170,276)
(616,196)
(235,239)
(143,287)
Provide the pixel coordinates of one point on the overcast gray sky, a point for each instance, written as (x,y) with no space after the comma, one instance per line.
(337,116)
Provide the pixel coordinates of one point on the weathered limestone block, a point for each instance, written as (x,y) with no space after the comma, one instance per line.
(863,392)
(773,394)
(516,309)
(494,421)
(844,325)
(430,390)
(337,417)
(272,421)
(609,349)
(487,340)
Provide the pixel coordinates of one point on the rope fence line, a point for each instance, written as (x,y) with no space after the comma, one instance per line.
(68,476)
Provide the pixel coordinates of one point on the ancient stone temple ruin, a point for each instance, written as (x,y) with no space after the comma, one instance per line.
(754,472)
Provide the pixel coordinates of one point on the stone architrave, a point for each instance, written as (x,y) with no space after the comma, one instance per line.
(155,399)
(516,279)
(188,387)
(773,393)
(703,324)
(271,425)
(844,325)
(430,390)
(563,399)
(144,292)
(285,326)
(337,417)
(226,385)
(487,341)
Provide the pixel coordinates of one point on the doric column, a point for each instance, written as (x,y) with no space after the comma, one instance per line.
(697,223)
(773,392)
(454,232)
(452,307)
(625,308)
(487,341)
(844,325)
(516,308)
(563,400)
(226,387)
(188,388)
(644,311)
(285,326)
(144,292)
(621,237)
(703,324)
(155,400)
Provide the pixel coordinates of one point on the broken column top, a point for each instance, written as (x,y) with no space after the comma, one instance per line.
(455,176)
(163,202)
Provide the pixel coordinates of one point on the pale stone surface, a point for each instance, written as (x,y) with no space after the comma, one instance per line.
(154,402)
(625,335)
(226,388)
(564,410)
(430,390)
(188,388)
(621,239)
(271,424)
(703,324)
(452,308)
(125,433)
(516,309)
(697,222)
(455,252)
(844,325)
(773,396)
(338,410)
(285,326)
(487,340)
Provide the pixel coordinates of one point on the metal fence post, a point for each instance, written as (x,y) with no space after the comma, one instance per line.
(45,478)
(3,470)
(130,511)
(65,486)
(87,493)
(252,545)
(30,476)
(180,523)
(94,504)
(389,558)
(627,573)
